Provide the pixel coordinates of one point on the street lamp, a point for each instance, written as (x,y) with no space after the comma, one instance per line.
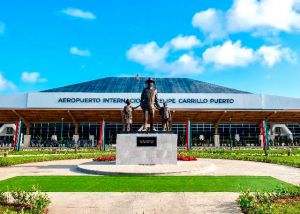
(61,131)
(230,140)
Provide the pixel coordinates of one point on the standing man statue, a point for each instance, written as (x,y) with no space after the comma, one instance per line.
(149,102)
(166,117)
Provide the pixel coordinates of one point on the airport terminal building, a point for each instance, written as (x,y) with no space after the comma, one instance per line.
(90,113)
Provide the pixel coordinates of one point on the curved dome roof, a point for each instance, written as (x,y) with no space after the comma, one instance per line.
(136,85)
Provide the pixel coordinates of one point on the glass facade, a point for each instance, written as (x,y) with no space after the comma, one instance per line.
(202,134)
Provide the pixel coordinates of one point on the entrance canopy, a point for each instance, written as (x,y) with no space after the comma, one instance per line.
(179,115)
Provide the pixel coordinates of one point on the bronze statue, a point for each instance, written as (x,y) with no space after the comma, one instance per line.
(149,102)
(127,116)
(166,117)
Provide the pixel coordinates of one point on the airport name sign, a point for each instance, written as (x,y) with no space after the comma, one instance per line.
(69,100)
(136,100)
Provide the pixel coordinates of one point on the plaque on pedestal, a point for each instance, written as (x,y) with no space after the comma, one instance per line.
(146,148)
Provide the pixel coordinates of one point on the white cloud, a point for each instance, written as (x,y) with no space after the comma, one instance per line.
(2,27)
(6,84)
(184,42)
(261,17)
(77,51)
(154,57)
(149,55)
(32,77)
(75,12)
(211,22)
(273,54)
(229,55)
(248,15)
(186,64)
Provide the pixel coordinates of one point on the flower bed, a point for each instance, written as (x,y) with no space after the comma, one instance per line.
(105,158)
(17,201)
(186,158)
(113,158)
(281,200)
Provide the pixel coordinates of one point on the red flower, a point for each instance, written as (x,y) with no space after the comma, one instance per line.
(105,158)
(186,158)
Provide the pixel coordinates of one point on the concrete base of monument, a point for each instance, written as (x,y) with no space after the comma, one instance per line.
(110,168)
(146,148)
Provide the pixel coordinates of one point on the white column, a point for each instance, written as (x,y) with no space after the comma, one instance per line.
(91,138)
(26,141)
(261,140)
(217,140)
(75,140)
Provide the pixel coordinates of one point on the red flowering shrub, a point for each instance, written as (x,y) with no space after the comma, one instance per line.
(105,158)
(113,158)
(186,158)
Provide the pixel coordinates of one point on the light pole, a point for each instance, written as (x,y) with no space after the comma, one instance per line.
(61,131)
(230,140)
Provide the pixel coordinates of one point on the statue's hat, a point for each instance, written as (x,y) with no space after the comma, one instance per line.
(150,80)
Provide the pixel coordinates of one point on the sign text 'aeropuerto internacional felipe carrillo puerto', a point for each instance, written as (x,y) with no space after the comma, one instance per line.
(69,100)
(136,100)
(117,100)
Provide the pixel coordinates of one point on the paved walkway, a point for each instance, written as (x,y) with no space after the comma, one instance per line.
(63,167)
(216,167)
(143,203)
(153,202)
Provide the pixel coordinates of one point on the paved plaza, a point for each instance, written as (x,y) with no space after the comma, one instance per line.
(217,167)
(152,202)
(148,203)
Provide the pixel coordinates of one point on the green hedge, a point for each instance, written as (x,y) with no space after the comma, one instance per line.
(271,152)
(282,200)
(283,160)
(17,201)
(9,161)
(42,151)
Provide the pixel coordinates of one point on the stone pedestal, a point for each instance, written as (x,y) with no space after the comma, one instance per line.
(146,148)
(26,141)
(217,140)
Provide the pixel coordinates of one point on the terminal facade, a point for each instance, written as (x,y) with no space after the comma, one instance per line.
(89,114)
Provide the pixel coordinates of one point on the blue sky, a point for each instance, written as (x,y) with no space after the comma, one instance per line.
(244,44)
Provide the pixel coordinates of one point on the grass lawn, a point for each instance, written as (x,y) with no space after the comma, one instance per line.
(143,183)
